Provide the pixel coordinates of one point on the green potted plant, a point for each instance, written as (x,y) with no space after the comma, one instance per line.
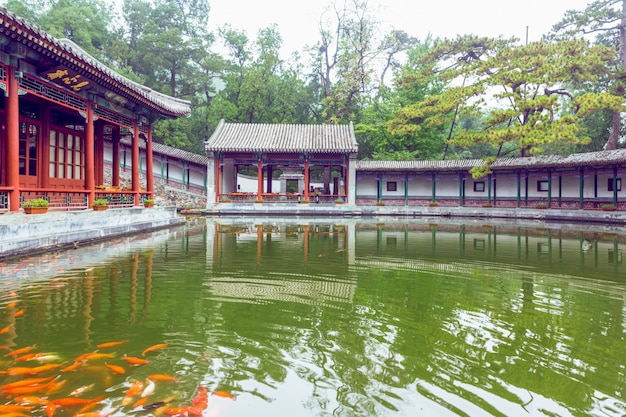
(37,205)
(304,201)
(258,201)
(225,199)
(541,206)
(339,201)
(487,205)
(100,204)
(608,207)
(433,204)
(148,203)
(380,203)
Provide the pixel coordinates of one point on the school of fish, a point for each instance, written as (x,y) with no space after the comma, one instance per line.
(36,383)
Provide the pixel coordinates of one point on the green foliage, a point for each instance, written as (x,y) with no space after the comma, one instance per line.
(100,202)
(36,202)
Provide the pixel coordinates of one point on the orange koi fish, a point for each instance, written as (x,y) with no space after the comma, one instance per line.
(51,408)
(20,351)
(27,381)
(224,394)
(27,389)
(135,361)
(30,400)
(72,366)
(14,414)
(17,371)
(14,408)
(28,357)
(111,344)
(96,355)
(183,411)
(153,348)
(135,389)
(6,329)
(163,378)
(72,402)
(19,313)
(140,402)
(12,304)
(116,369)
(95,414)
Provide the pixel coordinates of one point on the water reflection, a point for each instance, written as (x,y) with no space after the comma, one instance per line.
(341,317)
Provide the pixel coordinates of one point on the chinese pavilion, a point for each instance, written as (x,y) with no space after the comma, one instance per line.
(58,108)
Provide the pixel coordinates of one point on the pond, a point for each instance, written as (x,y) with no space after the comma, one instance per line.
(321,317)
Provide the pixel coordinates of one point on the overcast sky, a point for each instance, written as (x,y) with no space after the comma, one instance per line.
(298,20)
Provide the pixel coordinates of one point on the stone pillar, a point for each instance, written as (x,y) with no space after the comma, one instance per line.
(211,196)
(351,180)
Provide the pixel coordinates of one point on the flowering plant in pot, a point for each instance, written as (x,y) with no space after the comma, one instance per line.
(148,202)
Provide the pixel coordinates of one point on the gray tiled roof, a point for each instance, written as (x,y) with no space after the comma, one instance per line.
(589,159)
(254,137)
(66,51)
(455,164)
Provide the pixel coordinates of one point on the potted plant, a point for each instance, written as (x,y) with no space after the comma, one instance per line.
(541,206)
(100,204)
(304,201)
(148,203)
(487,205)
(225,199)
(37,205)
(380,203)
(608,207)
(433,204)
(339,201)
(258,200)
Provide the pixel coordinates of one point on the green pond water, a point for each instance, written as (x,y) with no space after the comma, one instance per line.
(320,317)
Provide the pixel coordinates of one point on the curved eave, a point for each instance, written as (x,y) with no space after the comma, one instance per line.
(74,57)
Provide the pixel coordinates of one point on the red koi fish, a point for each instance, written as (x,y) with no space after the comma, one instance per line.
(135,361)
(111,344)
(201,400)
(153,348)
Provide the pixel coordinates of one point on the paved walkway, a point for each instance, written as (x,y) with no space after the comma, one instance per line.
(338,210)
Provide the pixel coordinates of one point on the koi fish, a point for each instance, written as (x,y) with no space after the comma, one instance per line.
(14,414)
(224,394)
(201,400)
(17,371)
(135,389)
(27,381)
(51,408)
(164,378)
(96,356)
(14,408)
(183,411)
(82,389)
(19,313)
(111,344)
(72,366)
(20,351)
(149,389)
(30,400)
(6,329)
(27,389)
(72,402)
(28,357)
(95,414)
(12,304)
(116,369)
(153,348)
(140,402)
(135,361)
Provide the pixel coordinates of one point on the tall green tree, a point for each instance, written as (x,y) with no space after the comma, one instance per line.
(606,17)
(519,89)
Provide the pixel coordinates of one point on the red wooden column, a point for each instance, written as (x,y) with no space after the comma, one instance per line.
(90,184)
(149,162)
(13,142)
(135,163)
(306,178)
(43,177)
(217,160)
(99,154)
(115,160)
(260,179)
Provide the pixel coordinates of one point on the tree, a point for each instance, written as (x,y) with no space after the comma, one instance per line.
(602,16)
(519,90)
